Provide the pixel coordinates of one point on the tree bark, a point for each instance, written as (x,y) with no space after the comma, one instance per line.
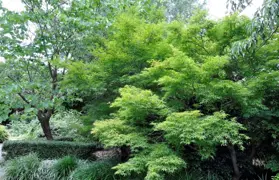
(44,121)
(236,175)
(125,152)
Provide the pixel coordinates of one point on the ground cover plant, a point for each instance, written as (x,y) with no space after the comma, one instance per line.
(66,168)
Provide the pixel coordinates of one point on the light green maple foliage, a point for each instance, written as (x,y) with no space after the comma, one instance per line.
(205,132)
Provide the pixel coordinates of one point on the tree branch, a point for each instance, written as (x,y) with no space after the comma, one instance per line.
(23,98)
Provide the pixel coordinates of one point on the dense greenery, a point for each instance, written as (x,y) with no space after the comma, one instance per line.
(66,168)
(3,134)
(177,93)
(64,125)
(22,168)
(99,170)
(47,150)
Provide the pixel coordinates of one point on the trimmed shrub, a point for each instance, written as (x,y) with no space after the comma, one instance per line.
(22,168)
(3,134)
(49,149)
(63,139)
(64,166)
(98,170)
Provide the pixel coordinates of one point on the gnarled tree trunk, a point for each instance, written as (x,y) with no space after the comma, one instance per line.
(44,117)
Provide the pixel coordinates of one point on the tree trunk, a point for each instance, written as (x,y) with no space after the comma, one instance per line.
(44,121)
(125,152)
(236,175)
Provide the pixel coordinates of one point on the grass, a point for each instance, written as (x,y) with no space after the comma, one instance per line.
(65,166)
(98,170)
(22,168)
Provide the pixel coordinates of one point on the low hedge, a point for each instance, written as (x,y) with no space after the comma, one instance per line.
(49,149)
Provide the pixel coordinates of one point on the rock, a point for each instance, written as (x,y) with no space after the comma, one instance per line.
(114,153)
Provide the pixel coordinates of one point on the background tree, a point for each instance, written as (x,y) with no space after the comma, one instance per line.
(181,9)
(35,43)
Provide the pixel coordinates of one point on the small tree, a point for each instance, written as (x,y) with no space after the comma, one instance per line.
(133,127)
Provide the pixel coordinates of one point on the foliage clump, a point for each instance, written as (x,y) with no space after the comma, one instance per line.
(22,167)
(4,135)
(63,124)
(205,132)
(98,170)
(138,132)
(64,166)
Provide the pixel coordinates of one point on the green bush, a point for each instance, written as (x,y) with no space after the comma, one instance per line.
(64,166)
(276,177)
(22,168)
(25,129)
(64,124)
(63,139)
(98,170)
(3,134)
(49,149)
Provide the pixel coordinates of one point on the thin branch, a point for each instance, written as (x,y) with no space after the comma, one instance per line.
(20,94)
(267,39)
(50,69)
(23,98)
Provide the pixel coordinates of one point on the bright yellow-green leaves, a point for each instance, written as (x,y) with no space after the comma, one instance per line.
(137,110)
(114,133)
(155,162)
(139,107)
(171,87)
(205,132)
(178,79)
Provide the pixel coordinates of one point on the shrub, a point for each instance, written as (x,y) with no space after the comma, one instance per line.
(22,168)
(67,124)
(63,139)
(64,166)
(3,134)
(98,170)
(23,129)
(63,124)
(49,149)
(276,177)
